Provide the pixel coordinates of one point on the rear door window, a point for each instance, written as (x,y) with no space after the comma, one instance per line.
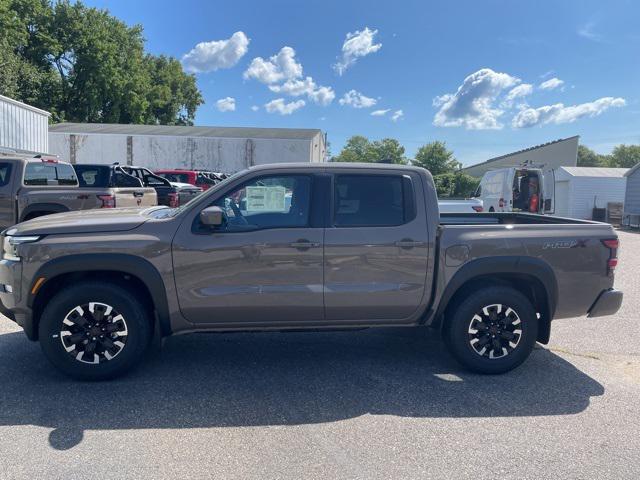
(369,200)
(49,174)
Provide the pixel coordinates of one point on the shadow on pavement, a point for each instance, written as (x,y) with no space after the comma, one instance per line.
(281,379)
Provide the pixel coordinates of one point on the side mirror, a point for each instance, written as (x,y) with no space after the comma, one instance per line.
(212,217)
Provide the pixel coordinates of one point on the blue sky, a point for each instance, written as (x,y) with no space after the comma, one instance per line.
(467,72)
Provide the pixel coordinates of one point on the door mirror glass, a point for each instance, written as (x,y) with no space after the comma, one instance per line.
(212,217)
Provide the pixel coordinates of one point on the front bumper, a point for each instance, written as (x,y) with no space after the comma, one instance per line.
(12,305)
(607,303)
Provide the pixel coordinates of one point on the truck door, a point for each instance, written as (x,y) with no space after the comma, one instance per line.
(264,265)
(548,191)
(376,248)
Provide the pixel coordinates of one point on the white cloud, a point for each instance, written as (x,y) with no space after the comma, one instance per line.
(210,56)
(227,104)
(397,115)
(473,105)
(380,113)
(357,100)
(551,84)
(280,106)
(520,91)
(255,108)
(558,113)
(295,88)
(587,31)
(357,44)
(279,67)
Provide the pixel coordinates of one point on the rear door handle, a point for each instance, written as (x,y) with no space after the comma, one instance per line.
(408,244)
(304,244)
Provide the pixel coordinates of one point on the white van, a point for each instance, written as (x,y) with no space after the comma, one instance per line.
(513,189)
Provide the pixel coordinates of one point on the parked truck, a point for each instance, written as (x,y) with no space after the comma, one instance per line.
(355,246)
(114,187)
(36,185)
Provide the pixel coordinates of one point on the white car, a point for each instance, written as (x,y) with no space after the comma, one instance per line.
(470,205)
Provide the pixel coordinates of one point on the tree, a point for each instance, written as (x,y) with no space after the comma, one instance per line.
(84,65)
(588,158)
(456,185)
(388,150)
(436,158)
(360,149)
(625,156)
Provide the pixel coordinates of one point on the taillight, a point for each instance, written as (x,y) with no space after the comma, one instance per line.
(501,203)
(477,208)
(612,244)
(174,200)
(108,201)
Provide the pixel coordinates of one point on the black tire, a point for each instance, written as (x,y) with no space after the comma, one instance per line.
(492,210)
(137,327)
(462,321)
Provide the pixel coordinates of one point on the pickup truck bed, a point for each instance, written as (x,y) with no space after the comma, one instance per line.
(303,246)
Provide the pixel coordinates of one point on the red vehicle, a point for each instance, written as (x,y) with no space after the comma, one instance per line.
(199,178)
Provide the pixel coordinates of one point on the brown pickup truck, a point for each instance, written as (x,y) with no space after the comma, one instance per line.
(114,187)
(35,185)
(303,246)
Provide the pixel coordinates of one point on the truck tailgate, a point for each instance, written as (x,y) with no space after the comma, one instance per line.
(135,197)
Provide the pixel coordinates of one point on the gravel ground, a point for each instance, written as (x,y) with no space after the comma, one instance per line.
(373,404)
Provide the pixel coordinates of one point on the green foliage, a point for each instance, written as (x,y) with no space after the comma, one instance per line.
(84,65)
(624,156)
(455,185)
(436,158)
(589,158)
(360,149)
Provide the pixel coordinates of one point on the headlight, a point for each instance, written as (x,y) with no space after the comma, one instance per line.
(10,246)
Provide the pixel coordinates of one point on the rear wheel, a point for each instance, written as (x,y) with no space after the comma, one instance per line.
(493,330)
(94,331)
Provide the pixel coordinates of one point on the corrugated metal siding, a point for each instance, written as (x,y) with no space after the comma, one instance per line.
(632,196)
(217,154)
(584,192)
(23,127)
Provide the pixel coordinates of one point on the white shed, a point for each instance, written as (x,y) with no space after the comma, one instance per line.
(23,127)
(580,189)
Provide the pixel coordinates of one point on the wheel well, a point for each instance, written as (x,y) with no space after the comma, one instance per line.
(528,285)
(130,282)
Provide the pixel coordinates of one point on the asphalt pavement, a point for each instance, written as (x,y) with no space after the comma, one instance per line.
(374,404)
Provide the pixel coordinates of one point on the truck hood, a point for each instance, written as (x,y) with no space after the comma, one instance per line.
(84,221)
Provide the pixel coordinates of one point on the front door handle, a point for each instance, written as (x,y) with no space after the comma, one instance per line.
(303,244)
(408,244)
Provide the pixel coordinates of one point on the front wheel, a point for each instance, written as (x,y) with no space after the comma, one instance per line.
(493,330)
(94,331)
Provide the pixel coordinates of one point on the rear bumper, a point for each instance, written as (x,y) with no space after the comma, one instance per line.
(607,303)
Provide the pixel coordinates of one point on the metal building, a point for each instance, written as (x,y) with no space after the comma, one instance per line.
(23,127)
(220,149)
(551,155)
(631,211)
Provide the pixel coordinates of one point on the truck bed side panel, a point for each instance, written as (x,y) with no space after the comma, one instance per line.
(574,253)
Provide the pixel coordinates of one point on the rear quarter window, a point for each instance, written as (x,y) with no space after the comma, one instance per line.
(49,174)
(90,176)
(5,174)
